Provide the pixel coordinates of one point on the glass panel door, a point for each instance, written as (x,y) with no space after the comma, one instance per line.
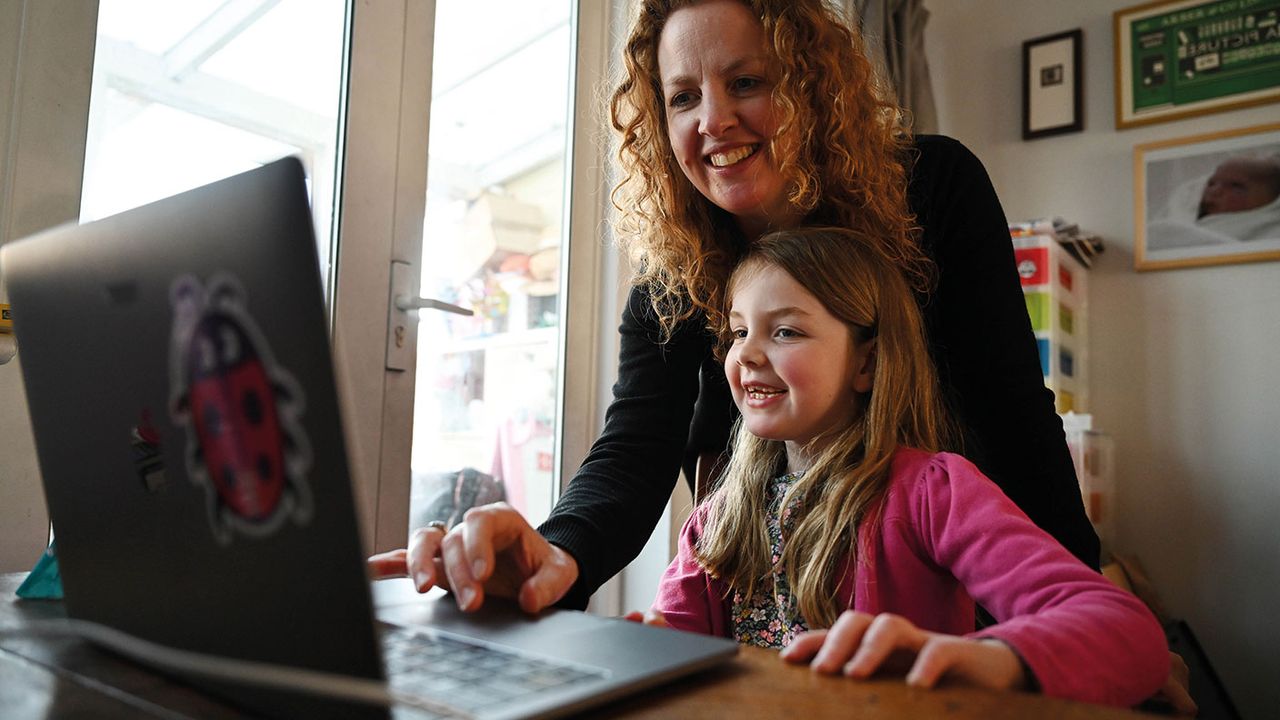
(486,393)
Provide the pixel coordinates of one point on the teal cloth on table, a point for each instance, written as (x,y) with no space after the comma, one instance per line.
(44,582)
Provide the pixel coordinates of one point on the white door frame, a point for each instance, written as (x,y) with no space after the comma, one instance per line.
(384,190)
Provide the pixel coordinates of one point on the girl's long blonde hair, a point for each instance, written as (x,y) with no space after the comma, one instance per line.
(841,146)
(857,282)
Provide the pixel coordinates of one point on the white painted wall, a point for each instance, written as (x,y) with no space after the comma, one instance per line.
(46,62)
(1182,362)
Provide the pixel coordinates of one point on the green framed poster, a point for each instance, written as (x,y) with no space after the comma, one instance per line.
(1177,58)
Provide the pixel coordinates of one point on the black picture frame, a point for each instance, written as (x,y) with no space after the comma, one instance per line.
(1053,85)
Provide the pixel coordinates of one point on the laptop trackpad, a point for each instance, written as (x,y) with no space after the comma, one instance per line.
(613,643)
(499,621)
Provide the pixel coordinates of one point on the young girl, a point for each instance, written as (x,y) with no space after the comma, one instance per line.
(839,439)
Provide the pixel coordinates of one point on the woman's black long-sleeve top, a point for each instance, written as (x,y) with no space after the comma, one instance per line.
(671,400)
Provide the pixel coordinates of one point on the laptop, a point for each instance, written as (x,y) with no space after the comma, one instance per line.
(177,367)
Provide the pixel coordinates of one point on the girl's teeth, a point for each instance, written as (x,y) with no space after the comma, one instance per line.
(733,156)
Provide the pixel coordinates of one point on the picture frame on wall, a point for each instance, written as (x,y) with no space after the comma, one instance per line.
(1052,96)
(1208,199)
(1180,58)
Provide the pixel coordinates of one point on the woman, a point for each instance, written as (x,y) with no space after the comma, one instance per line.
(738,117)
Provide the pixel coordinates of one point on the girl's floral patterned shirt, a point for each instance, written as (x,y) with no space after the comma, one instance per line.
(769,618)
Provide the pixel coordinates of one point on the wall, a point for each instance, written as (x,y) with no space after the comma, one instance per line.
(1182,361)
(46,61)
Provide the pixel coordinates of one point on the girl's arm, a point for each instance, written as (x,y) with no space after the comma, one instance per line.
(1064,629)
(1080,636)
(688,598)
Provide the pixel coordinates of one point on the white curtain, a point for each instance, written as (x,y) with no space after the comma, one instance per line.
(894,34)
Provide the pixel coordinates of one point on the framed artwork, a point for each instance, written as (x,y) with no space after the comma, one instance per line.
(1179,58)
(1208,199)
(1052,97)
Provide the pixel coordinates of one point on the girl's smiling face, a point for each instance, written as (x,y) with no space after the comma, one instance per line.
(720,114)
(794,368)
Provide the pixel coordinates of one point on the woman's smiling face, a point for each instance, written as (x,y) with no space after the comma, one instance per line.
(721,118)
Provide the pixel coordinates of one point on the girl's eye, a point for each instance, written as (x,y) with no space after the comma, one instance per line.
(739,333)
(786,333)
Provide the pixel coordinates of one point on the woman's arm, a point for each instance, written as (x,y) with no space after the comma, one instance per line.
(613,503)
(982,344)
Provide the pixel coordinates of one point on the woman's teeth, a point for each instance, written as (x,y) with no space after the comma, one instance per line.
(733,156)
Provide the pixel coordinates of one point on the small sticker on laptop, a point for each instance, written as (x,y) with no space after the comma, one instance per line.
(241,410)
(148,458)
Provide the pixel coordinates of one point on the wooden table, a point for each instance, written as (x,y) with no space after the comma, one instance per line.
(759,685)
(65,677)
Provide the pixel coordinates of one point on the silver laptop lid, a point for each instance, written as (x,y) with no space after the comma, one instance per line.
(177,368)
(178,374)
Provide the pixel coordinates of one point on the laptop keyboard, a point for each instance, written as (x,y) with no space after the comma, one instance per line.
(467,677)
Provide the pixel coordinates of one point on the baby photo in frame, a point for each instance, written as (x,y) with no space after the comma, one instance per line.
(1208,199)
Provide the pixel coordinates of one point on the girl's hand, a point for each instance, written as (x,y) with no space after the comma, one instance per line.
(648,617)
(1175,690)
(859,644)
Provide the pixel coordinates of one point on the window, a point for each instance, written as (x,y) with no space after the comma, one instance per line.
(187,93)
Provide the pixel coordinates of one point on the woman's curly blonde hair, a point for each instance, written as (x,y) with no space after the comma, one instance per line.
(841,146)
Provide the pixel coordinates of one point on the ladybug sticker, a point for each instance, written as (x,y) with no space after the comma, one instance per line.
(245,445)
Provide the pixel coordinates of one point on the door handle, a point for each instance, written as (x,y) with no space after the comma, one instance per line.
(408,302)
(402,332)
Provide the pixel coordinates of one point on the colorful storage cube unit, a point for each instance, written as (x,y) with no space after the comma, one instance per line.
(1055,286)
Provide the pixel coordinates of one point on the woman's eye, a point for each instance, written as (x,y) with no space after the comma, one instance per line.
(681,99)
(744,84)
